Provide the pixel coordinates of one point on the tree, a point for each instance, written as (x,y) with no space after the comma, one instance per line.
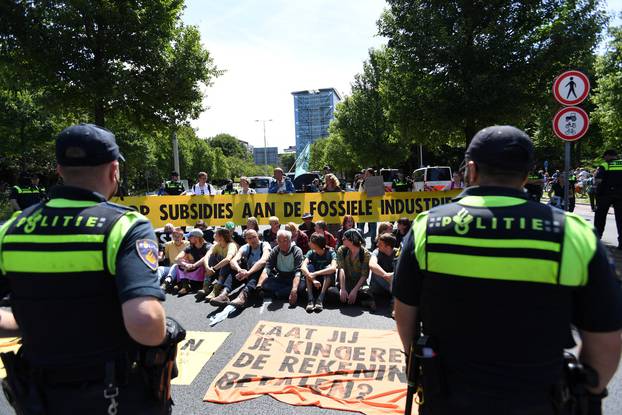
(287,160)
(107,58)
(230,146)
(461,65)
(608,93)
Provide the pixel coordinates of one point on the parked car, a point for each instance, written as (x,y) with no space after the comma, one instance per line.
(260,183)
(432,178)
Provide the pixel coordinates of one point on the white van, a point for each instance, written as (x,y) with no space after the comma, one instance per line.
(432,178)
(260,183)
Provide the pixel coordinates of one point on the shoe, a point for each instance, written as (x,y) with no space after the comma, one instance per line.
(371,304)
(183,291)
(215,292)
(310,307)
(221,299)
(240,300)
(318,308)
(175,289)
(202,293)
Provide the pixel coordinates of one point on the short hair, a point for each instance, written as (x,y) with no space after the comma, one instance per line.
(252,221)
(292,227)
(224,233)
(244,178)
(200,223)
(388,239)
(273,219)
(169,226)
(322,224)
(178,231)
(278,169)
(383,226)
(284,233)
(248,231)
(202,173)
(403,221)
(318,239)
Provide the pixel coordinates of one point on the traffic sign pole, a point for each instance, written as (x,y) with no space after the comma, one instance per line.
(566,175)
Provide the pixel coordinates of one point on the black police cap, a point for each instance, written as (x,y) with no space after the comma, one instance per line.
(174,173)
(503,147)
(86,145)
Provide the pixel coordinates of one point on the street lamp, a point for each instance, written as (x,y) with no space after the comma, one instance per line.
(265,143)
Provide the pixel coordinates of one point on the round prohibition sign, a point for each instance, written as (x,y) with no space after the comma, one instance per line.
(571,88)
(571,123)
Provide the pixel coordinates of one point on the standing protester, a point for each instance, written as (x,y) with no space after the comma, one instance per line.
(85,291)
(27,193)
(203,187)
(245,186)
(173,187)
(371,226)
(466,271)
(608,181)
(281,183)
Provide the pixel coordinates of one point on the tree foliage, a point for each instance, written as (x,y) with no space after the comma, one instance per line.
(230,146)
(461,65)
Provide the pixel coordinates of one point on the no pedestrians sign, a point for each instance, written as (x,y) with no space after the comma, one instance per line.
(571,88)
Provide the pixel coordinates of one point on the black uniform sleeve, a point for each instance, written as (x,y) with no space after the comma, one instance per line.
(598,305)
(407,277)
(600,172)
(134,277)
(13,193)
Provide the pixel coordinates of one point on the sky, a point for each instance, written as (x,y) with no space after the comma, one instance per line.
(271,48)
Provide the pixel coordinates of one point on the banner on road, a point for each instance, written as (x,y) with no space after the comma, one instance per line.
(194,352)
(330,367)
(330,207)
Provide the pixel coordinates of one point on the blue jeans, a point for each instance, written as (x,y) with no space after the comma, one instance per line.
(171,271)
(280,284)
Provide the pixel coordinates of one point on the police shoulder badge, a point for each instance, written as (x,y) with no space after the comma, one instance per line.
(148,252)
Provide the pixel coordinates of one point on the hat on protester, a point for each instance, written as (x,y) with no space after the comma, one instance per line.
(354,235)
(307,216)
(196,232)
(86,145)
(230,225)
(502,146)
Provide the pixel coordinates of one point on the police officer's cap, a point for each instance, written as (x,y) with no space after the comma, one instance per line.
(86,145)
(502,146)
(174,173)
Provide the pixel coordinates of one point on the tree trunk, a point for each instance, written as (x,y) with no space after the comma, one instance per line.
(99,113)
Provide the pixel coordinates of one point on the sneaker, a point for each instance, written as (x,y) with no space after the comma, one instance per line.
(215,292)
(176,289)
(240,300)
(310,307)
(221,299)
(318,307)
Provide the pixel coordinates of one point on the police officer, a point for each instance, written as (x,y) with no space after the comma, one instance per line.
(497,280)
(84,289)
(608,182)
(173,187)
(27,193)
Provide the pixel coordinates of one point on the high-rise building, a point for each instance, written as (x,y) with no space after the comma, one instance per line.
(266,155)
(313,111)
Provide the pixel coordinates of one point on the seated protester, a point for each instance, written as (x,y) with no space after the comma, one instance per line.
(165,235)
(228,189)
(269,235)
(346,223)
(282,274)
(381,265)
(403,226)
(383,227)
(237,238)
(318,268)
(191,273)
(321,228)
(307,225)
(246,267)
(353,271)
(299,238)
(208,233)
(172,249)
(216,263)
(202,187)
(252,223)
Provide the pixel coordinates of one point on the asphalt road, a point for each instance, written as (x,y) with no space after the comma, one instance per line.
(193,316)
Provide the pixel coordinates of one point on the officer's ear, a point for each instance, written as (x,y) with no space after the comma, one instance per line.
(471,173)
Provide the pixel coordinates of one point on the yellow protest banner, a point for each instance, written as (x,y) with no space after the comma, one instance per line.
(194,352)
(8,344)
(330,367)
(330,207)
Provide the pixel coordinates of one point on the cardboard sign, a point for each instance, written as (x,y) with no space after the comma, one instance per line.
(8,344)
(330,367)
(194,352)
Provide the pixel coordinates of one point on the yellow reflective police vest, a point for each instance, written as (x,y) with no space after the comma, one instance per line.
(499,238)
(60,260)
